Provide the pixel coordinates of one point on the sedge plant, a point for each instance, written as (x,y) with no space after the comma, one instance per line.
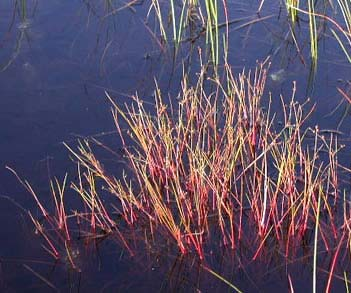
(212,168)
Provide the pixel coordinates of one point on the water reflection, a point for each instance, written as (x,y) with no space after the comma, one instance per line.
(20,28)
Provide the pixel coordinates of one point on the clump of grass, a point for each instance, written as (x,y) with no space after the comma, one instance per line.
(192,18)
(215,163)
(294,8)
(53,227)
(212,168)
(342,31)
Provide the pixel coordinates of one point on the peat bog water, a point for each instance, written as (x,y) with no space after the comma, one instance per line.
(57,59)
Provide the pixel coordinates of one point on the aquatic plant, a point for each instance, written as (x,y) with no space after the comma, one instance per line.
(219,157)
(291,6)
(313,31)
(209,169)
(341,31)
(212,167)
(345,8)
(199,17)
(53,227)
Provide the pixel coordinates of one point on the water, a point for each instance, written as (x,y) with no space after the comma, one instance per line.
(57,58)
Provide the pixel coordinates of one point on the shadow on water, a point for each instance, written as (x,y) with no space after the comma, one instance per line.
(56,62)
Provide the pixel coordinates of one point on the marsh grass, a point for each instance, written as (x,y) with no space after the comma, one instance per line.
(180,23)
(345,9)
(189,20)
(341,28)
(217,156)
(291,6)
(211,169)
(313,31)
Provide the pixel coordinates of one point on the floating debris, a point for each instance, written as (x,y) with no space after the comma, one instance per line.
(278,76)
(23,25)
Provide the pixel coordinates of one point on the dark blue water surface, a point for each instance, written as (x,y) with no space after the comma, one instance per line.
(57,59)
